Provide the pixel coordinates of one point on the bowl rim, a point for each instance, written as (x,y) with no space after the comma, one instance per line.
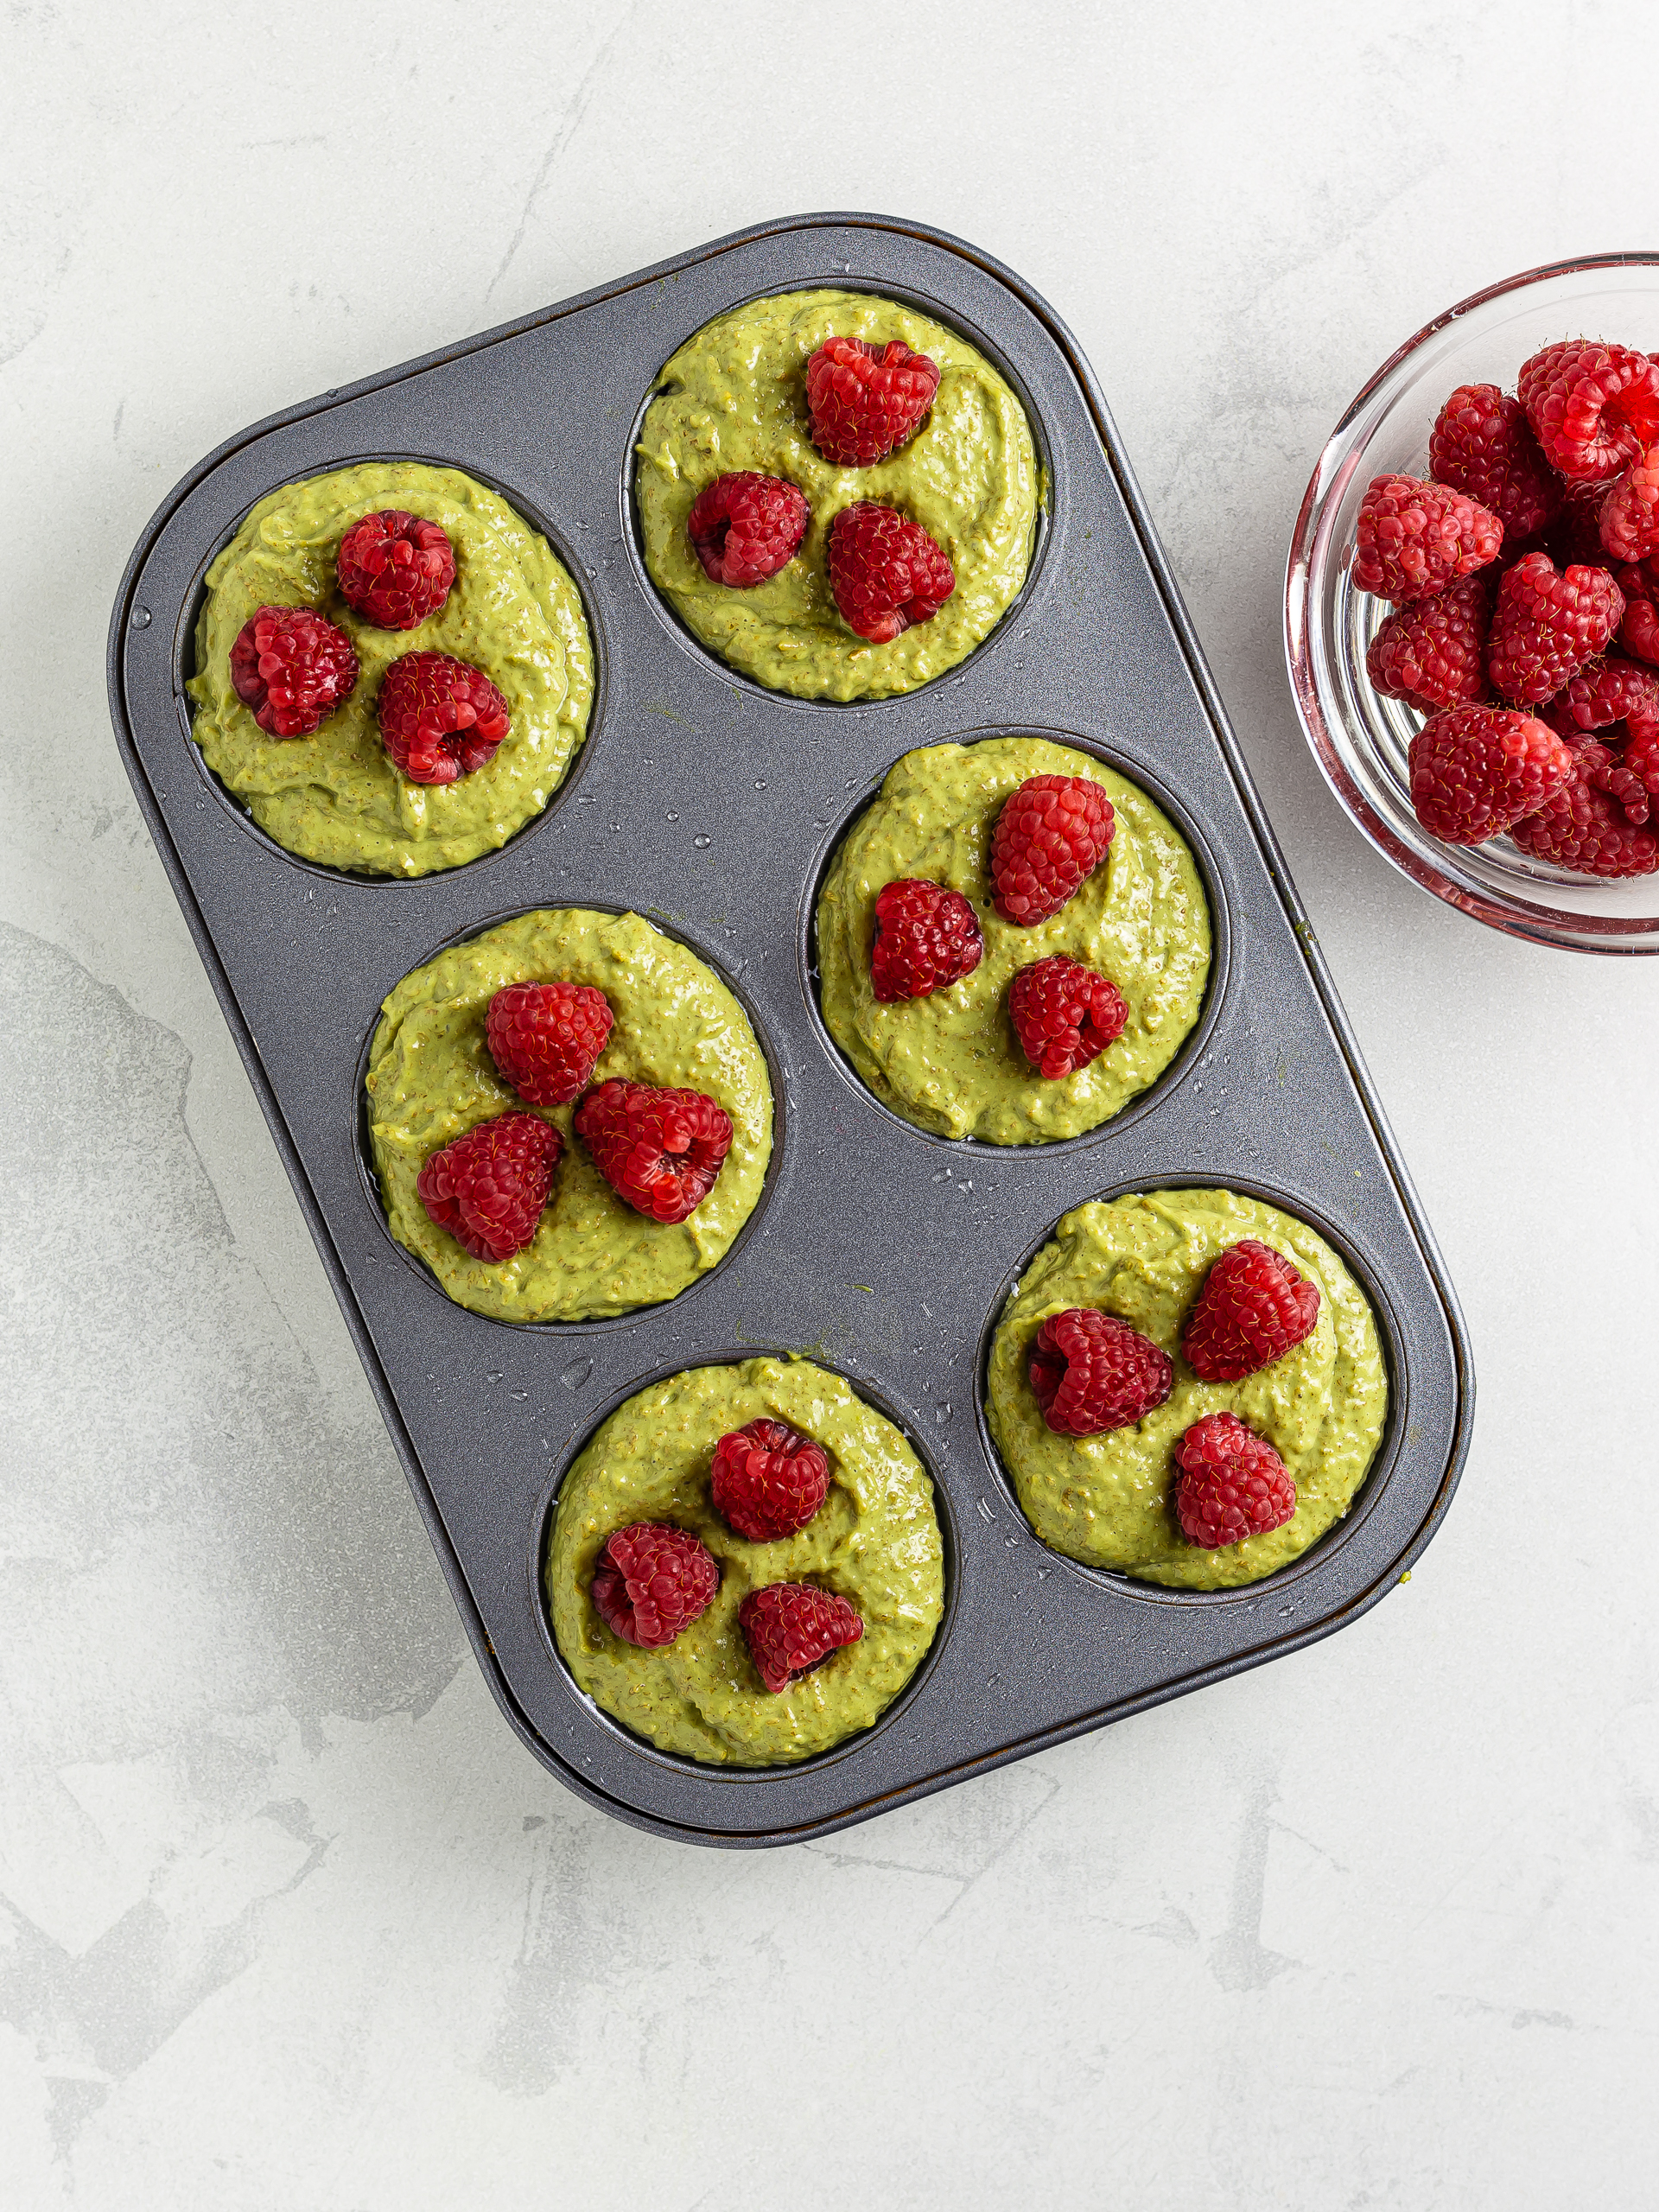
(1569,929)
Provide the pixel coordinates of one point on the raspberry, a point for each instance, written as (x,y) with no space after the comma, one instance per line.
(1593,409)
(660,1151)
(292,668)
(1431,653)
(1547,625)
(395,570)
(744,527)
(886,572)
(1478,769)
(1629,514)
(1584,830)
(1481,445)
(1603,691)
(866,401)
(1253,1309)
(1232,1484)
(439,718)
(1091,1372)
(1064,1015)
(1414,538)
(651,1581)
(926,938)
(488,1187)
(1616,774)
(1641,762)
(768,1480)
(545,1038)
(1052,834)
(1639,631)
(791,1626)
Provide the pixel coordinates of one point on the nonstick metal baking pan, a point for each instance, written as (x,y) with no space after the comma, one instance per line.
(712,806)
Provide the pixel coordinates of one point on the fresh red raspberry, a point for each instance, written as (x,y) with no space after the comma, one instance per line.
(1630,513)
(768,1480)
(1614,772)
(1481,444)
(866,401)
(1232,1484)
(488,1188)
(886,572)
(660,1151)
(395,570)
(545,1038)
(1064,1015)
(1432,652)
(1641,762)
(1052,834)
(292,668)
(1547,625)
(927,937)
(651,1581)
(1593,409)
(744,527)
(1091,1372)
(1474,770)
(1639,631)
(1254,1308)
(440,718)
(1583,829)
(790,1626)
(1603,691)
(1412,538)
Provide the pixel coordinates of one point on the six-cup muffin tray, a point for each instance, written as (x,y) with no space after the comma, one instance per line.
(712,805)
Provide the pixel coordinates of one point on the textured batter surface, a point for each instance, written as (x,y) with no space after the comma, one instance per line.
(735,397)
(875,1540)
(952,1063)
(512,612)
(1109,1500)
(431,1077)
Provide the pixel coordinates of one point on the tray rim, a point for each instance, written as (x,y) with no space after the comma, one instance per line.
(1277,871)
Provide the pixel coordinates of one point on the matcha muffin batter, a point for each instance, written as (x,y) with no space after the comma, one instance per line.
(431,1078)
(1107,1500)
(512,612)
(735,397)
(875,1540)
(951,1062)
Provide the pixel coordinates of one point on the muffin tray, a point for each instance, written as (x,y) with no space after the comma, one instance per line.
(712,806)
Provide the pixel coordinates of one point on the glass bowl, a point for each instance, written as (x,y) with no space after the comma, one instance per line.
(1359,738)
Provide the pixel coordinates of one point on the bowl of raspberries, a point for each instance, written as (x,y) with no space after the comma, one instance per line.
(1472,609)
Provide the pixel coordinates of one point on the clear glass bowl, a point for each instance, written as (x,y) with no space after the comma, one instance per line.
(1360,739)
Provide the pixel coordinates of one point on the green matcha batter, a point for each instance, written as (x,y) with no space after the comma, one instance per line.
(875,1541)
(1108,1500)
(676,1024)
(951,1062)
(512,611)
(735,397)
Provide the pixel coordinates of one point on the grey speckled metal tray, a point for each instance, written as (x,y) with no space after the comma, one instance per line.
(712,805)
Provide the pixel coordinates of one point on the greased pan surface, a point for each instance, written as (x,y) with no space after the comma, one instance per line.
(712,806)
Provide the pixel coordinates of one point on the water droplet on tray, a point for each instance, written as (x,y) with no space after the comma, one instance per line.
(576,1374)
(942,1413)
(141,618)
(702,843)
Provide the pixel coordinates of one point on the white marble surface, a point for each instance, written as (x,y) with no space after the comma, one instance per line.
(287,1917)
